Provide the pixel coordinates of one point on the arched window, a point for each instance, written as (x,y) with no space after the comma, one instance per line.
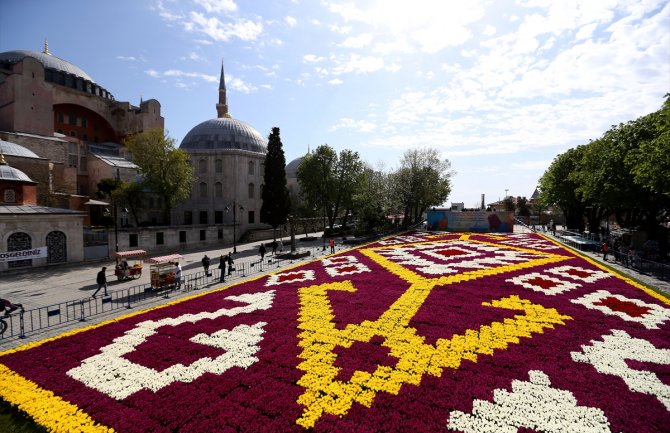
(56,247)
(19,241)
(218,166)
(251,167)
(9,196)
(203,190)
(218,188)
(203,166)
(251,190)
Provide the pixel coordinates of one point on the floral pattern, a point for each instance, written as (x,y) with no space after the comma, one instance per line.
(420,332)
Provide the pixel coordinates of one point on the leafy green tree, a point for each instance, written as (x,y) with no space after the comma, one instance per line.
(371,199)
(508,202)
(275,194)
(522,206)
(166,170)
(558,188)
(131,194)
(423,180)
(328,181)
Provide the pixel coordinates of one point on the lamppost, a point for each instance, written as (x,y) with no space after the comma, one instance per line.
(234,224)
(506,193)
(324,228)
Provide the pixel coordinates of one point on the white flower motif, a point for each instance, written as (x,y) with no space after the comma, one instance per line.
(531,281)
(649,315)
(579,274)
(290,277)
(112,374)
(609,357)
(533,404)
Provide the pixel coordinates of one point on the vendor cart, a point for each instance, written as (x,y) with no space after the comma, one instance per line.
(162,270)
(125,271)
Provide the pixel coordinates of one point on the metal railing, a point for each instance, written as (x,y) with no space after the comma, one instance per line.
(32,321)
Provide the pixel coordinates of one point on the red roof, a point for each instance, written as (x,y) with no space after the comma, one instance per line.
(163,259)
(130,253)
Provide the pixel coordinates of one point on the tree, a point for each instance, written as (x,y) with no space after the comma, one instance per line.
(522,206)
(558,187)
(423,180)
(508,202)
(166,170)
(328,181)
(131,195)
(372,199)
(275,194)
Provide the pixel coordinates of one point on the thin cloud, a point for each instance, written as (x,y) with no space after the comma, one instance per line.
(292,22)
(217,6)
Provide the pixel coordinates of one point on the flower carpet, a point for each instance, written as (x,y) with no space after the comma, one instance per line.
(421,332)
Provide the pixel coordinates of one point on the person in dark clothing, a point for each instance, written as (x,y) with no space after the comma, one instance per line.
(8,308)
(274,247)
(261,251)
(205,265)
(222,267)
(229,259)
(102,281)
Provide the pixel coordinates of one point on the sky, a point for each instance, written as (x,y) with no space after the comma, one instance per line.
(499,88)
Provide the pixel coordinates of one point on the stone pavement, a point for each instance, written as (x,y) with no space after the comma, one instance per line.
(41,287)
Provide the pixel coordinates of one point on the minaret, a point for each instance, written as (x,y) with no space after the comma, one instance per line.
(46,46)
(222,106)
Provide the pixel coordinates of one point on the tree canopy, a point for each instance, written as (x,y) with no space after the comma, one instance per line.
(165,169)
(423,180)
(275,195)
(622,173)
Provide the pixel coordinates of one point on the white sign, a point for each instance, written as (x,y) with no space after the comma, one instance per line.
(35,253)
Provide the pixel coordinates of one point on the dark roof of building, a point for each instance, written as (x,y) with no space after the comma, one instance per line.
(224,134)
(292,168)
(13,149)
(47,60)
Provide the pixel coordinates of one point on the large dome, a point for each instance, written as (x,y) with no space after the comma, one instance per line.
(292,168)
(47,60)
(12,174)
(224,134)
(13,149)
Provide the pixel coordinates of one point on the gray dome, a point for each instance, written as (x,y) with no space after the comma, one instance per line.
(8,173)
(292,168)
(13,149)
(47,60)
(224,134)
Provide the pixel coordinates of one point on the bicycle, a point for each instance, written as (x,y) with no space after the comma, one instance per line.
(3,323)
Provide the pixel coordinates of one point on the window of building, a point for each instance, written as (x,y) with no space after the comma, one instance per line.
(160,239)
(203,217)
(188,217)
(203,190)
(219,234)
(252,217)
(251,167)
(84,122)
(72,160)
(72,118)
(132,240)
(218,188)
(60,116)
(251,190)
(182,236)
(203,235)
(82,163)
(218,166)
(9,196)
(202,166)
(218,217)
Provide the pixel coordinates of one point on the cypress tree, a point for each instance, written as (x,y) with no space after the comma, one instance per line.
(276,201)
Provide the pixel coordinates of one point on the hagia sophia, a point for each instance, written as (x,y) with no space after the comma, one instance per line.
(61,133)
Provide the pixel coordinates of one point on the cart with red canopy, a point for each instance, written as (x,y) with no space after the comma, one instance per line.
(162,270)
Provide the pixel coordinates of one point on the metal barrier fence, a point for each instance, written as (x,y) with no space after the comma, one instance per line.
(34,320)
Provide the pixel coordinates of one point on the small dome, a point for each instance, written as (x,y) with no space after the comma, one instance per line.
(47,60)
(224,134)
(13,149)
(12,174)
(292,168)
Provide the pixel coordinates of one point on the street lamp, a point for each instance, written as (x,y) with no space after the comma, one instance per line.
(234,224)
(324,228)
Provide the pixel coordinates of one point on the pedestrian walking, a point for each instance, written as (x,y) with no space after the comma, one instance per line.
(177,276)
(261,251)
(205,265)
(274,247)
(101,279)
(281,246)
(605,249)
(230,261)
(222,268)
(331,242)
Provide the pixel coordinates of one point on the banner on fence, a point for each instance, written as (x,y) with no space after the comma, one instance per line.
(33,253)
(475,221)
